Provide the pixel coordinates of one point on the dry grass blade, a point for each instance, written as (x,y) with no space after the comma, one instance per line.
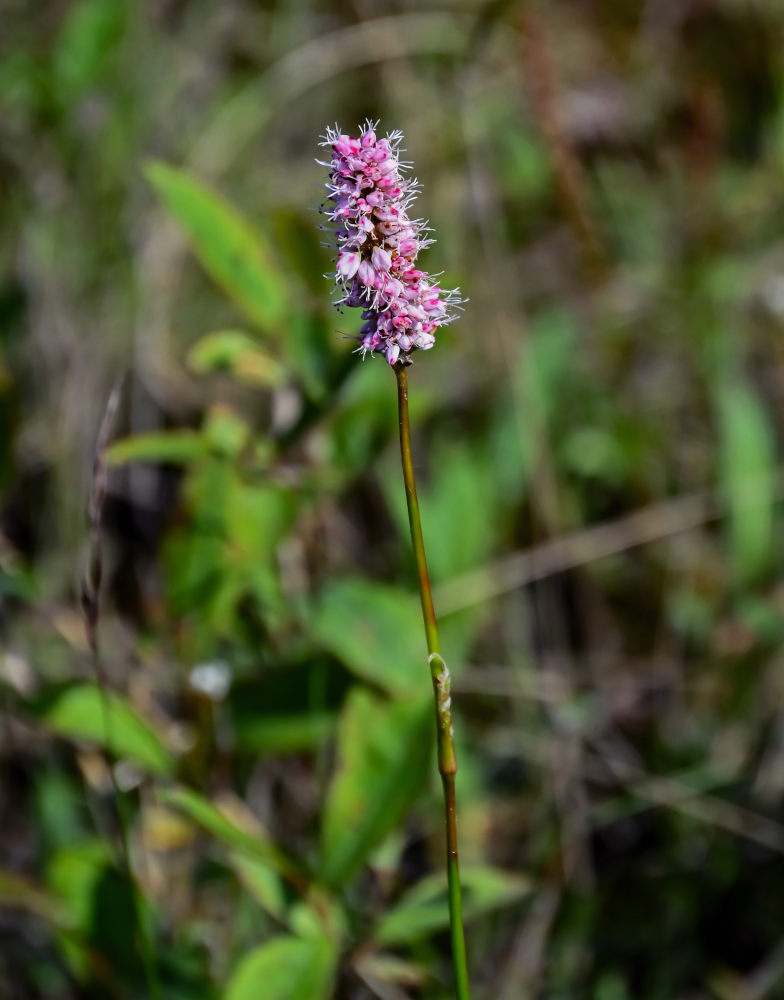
(91,581)
(650,524)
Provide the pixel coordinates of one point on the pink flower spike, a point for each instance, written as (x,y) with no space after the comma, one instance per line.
(377,244)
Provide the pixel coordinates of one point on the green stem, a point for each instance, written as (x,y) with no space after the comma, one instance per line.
(439,672)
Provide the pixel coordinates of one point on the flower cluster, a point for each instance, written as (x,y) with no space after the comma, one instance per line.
(378,245)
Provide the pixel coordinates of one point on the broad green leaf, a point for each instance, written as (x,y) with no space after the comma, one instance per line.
(73,875)
(82,712)
(101,913)
(239,354)
(285,968)
(376,631)
(384,749)
(178,446)
(231,252)
(747,461)
(424,910)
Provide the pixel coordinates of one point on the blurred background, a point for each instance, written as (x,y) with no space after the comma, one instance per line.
(237,797)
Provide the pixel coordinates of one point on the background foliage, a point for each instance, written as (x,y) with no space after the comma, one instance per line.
(247,805)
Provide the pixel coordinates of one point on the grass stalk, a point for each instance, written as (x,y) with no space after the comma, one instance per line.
(439,672)
(91,604)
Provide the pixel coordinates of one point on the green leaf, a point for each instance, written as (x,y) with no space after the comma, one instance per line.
(384,749)
(262,882)
(74,874)
(289,708)
(90,31)
(178,446)
(542,373)
(747,460)
(101,913)
(225,432)
(81,712)
(225,829)
(238,353)
(459,507)
(231,252)
(285,968)
(424,910)
(375,630)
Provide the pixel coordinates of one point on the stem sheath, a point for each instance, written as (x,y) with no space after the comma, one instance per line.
(439,672)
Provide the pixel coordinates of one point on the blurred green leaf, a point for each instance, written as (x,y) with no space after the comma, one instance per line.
(73,875)
(178,446)
(762,617)
(60,815)
(384,749)
(459,506)
(538,380)
(82,712)
(236,257)
(102,916)
(543,365)
(424,910)
(365,416)
(375,630)
(287,709)
(225,431)
(285,968)
(284,734)
(89,33)
(239,354)
(262,882)
(594,452)
(225,829)
(746,471)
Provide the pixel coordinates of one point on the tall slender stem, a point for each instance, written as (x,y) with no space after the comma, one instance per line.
(91,606)
(439,672)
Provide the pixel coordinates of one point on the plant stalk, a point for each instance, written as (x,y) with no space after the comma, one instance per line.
(91,606)
(439,672)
